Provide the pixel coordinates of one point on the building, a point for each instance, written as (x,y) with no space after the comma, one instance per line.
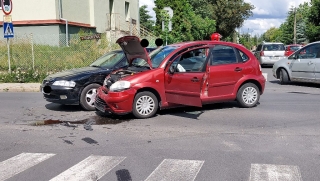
(55,22)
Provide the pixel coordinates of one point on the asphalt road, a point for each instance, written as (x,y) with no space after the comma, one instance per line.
(277,140)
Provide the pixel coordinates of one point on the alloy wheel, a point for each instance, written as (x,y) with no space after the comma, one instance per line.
(145,105)
(91,96)
(250,95)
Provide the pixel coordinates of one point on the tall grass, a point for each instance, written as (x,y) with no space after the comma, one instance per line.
(33,63)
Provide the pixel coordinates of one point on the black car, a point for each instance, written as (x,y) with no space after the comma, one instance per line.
(79,86)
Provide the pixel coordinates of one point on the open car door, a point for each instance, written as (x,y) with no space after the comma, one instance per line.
(185,76)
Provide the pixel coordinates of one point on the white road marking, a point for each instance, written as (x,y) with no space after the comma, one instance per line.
(171,169)
(20,163)
(267,172)
(265,76)
(91,168)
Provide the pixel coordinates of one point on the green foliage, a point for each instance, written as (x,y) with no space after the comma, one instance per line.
(313,24)
(145,18)
(229,14)
(186,24)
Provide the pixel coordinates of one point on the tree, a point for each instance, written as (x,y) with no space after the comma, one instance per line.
(186,25)
(229,14)
(272,35)
(145,18)
(313,25)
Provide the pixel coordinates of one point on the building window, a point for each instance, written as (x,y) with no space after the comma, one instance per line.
(127,11)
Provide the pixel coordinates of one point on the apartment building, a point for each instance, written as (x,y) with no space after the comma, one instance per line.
(56,21)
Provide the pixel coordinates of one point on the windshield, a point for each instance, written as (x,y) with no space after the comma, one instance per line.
(108,60)
(156,56)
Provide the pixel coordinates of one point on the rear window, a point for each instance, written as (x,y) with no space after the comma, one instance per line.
(273,47)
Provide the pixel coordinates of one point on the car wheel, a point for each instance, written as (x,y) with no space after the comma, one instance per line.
(145,105)
(248,95)
(88,96)
(283,77)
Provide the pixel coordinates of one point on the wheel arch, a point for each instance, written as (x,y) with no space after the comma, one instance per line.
(251,81)
(279,70)
(152,90)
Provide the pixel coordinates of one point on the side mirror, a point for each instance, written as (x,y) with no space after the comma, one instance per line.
(171,70)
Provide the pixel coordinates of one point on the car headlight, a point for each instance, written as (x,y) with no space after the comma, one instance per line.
(64,83)
(119,86)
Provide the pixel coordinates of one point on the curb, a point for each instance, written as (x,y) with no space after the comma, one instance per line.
(19,87)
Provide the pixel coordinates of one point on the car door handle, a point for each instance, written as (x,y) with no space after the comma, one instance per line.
(309,63)
(238,69)
(195,79)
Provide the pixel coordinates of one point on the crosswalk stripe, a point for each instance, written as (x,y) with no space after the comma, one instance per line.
(172,169)
(268,172)
(20,163)
(91,168)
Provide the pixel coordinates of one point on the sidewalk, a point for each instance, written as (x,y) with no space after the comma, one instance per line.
(19,87)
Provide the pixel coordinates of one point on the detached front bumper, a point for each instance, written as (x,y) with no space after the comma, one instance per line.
(60,95)
(115,102)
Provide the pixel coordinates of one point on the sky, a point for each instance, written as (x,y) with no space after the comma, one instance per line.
(266,14)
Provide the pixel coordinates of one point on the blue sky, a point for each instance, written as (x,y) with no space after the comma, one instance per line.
(267,14)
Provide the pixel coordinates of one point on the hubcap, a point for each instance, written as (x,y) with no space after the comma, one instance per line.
(250,95)
(91,96)
(145,105)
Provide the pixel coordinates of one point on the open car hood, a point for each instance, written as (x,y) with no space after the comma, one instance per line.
(132,48)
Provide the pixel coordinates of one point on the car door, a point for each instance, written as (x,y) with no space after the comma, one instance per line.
(317,64)
(303,66)
(225,71)
(184,78)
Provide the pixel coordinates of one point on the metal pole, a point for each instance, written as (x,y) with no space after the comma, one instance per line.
(32,51)
(8,55)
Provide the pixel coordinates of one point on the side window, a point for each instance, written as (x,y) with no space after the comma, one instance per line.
(308,52)
(191,61)
(222,54)
(243,56)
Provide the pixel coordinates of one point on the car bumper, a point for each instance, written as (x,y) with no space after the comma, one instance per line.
(115,102)
(266,60)
(60,95)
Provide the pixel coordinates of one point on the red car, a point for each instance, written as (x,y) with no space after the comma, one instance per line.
(189,73)
(290,49)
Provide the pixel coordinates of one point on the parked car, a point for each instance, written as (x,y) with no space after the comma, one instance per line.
(79,86)
(301,66)
(269,52)
(189,73)
(290,49)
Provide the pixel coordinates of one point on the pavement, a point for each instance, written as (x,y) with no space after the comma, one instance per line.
(19,87)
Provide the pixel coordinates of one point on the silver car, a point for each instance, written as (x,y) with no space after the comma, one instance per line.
(269,52)
(302,66)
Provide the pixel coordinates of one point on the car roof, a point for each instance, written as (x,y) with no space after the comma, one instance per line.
(205,42)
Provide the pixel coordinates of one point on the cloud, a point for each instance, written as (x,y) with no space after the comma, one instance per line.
(266,14)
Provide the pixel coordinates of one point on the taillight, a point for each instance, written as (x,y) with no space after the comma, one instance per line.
(261,53)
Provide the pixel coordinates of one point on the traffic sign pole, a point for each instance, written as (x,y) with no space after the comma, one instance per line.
(8,46)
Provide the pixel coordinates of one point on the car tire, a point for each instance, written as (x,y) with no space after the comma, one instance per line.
(248,95)
(145,105)
(87,97)
(283,77)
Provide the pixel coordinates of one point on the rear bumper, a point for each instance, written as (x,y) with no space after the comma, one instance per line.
(269,60)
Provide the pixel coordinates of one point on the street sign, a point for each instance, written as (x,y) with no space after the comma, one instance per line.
(6,6)
(8,30)
(170,13)
(7,18)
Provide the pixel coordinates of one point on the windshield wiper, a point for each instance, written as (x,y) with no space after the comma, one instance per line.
(95,66)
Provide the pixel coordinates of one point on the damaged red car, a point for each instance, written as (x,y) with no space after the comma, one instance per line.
(189,73)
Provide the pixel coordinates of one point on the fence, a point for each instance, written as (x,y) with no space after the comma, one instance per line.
(38,56)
